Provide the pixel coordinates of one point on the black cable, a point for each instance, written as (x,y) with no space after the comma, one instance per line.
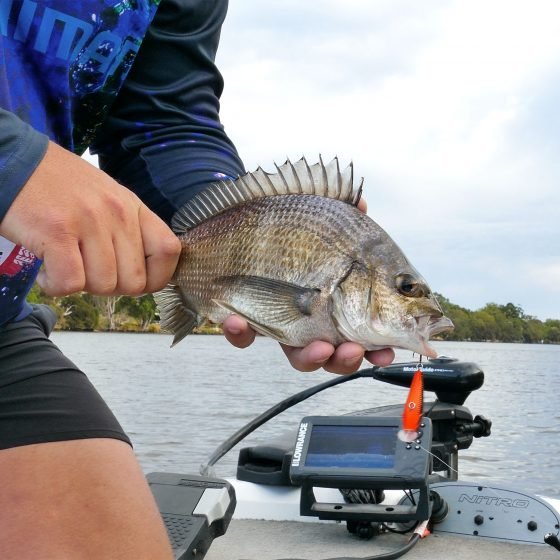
(552,540)
(410,495)
(398,531)
(385,556)
(242,433)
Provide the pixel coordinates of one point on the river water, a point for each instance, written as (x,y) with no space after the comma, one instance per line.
(179,404)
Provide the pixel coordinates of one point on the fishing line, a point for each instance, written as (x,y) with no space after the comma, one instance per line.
(438,459)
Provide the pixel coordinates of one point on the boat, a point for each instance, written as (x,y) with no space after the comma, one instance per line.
(345,487)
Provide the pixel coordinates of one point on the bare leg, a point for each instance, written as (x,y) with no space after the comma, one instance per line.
(77,500)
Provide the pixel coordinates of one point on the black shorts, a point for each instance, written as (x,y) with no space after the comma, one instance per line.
(43,396)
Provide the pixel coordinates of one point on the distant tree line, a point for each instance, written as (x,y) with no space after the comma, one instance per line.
(494,322)
(84,312)
(498,323)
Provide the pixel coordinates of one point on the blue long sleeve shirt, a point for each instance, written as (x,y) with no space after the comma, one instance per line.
(133,80)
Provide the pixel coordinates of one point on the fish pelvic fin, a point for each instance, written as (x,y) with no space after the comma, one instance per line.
(176,315)
(290,178)
(266,331)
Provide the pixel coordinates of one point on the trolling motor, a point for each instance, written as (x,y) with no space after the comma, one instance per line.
(452,426)
(361,455)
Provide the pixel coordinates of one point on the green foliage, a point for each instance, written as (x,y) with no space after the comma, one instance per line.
(141,308)
(494,322)
(79,313)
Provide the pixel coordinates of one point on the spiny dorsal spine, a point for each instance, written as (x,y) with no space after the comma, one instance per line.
(291,178)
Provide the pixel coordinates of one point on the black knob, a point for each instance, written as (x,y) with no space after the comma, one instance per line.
(532,525)
(484,426)
(478,519)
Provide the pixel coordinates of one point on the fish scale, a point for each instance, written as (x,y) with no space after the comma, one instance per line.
(229,244)
(291,253)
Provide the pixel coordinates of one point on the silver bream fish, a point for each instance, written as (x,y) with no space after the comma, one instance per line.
(292,254)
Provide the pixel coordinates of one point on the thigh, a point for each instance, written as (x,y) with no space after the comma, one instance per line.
(71,487)
(43,395)
(78,500)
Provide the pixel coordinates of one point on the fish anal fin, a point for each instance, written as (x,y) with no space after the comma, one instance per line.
(176,313)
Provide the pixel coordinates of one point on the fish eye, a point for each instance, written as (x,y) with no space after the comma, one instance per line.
(409,286)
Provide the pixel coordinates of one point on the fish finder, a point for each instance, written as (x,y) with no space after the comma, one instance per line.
(361,452)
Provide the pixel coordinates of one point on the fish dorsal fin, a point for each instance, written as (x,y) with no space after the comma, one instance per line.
(291,178)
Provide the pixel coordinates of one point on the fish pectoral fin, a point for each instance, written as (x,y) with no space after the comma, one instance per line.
(270,302)
(266,331)
(176,315)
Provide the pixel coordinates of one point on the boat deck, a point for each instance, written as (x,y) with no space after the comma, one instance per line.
(286,540)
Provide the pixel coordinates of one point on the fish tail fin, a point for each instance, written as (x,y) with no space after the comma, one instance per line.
(413,408)
(176,315)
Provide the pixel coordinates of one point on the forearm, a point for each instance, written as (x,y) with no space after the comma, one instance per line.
(21,149)
(163,138)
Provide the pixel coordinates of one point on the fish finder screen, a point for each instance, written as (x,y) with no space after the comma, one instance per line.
(352,447)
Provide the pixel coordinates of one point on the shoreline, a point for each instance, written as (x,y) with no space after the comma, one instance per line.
(217,330)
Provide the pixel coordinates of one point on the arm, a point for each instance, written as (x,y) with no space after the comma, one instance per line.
(163,137)
(21,150)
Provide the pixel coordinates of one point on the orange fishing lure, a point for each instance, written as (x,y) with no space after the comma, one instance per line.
(413,408)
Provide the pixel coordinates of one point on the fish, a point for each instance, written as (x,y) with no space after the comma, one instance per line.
(413,408)
(292,254)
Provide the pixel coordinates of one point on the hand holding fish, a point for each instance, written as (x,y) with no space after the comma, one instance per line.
(294,257)
(91,233)
(345,358)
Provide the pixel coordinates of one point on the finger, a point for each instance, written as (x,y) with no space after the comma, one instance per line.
(346,359)
(238,332)
(362,205)
(100,263)
(381,357)
(130,258)
(162,249)
(311,357)
(62,272)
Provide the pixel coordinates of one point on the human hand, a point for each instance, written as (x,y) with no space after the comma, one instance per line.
(91,233)
(345,358)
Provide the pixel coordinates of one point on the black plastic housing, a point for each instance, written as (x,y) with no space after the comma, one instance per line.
(451,380)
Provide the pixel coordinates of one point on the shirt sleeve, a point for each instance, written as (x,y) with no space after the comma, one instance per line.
(163,138)
(21,150)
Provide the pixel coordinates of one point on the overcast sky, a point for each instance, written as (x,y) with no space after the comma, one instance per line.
(448,109)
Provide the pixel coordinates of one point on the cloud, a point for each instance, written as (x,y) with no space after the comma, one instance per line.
(545,276)
(448,109)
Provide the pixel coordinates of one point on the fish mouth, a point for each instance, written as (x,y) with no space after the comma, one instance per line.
(428,326)
(438,325)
